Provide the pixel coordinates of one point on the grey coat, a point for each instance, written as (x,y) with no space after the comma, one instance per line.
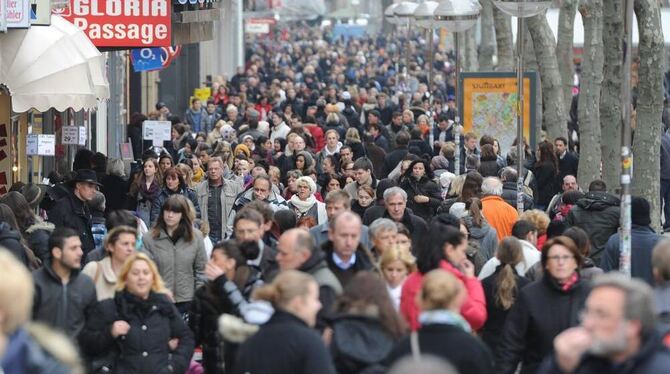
(181,264)
(231,188)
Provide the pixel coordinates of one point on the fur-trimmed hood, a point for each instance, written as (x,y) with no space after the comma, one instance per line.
(40,225)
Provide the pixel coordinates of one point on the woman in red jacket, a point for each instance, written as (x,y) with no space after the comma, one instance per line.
(445,248)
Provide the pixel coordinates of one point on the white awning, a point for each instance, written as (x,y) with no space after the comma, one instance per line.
(53,66)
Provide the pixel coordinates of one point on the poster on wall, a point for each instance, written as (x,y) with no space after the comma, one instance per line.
(17,13)
(122,24)
(488,105)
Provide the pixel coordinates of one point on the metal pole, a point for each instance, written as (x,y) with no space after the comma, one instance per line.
(431,134)
(520,36)
(626,154)
(457,124)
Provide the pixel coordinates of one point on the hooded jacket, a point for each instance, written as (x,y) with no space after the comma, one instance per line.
(11,240)
(485,235)
(597,213)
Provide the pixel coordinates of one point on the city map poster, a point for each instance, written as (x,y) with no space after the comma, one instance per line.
(488,105)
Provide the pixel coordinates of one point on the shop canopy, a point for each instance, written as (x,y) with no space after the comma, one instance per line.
(53,66)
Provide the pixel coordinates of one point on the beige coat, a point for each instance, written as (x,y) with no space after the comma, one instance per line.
(103,276)
(231,188)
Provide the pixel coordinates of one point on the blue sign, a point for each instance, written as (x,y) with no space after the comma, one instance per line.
(146,59)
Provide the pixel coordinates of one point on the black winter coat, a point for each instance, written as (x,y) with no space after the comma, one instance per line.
(546,176)
(11,240)
(495,321)
(392,159)
(71,212)
(425,187)
(153,322)
(597,213)
(359,343)
(542,311)
(467,353)
(489,168)
(285,344)
(115,190)
(162,197)
(416,225)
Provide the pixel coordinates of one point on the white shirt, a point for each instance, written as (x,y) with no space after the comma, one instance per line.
(344,265)
(395,293)
(530,257)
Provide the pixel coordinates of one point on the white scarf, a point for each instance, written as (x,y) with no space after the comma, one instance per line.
(303,206)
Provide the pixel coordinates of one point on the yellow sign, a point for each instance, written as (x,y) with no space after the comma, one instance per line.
(203,94)
(489,106)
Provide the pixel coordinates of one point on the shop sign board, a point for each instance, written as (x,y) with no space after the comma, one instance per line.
(157,131)
(122,23)
(41,145)
(17,14)
(40,12)
(146,59)
(73,135)
(258,25)
(82,135)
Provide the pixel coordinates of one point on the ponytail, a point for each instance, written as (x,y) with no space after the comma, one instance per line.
(510,253)
(475,210)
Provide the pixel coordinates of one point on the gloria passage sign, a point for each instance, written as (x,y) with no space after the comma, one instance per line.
(122,23)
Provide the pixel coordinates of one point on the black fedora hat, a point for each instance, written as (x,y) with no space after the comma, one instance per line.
(85,175)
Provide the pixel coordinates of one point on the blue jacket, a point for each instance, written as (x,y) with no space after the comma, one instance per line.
(643,240)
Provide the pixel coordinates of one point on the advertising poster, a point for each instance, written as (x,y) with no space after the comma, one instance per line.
(488,106)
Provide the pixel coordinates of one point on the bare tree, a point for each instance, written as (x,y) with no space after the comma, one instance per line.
(611,110)
(647,141)
(469,50)
(564,45)
(554,116)
(486,46)
(504,43)
(589,93)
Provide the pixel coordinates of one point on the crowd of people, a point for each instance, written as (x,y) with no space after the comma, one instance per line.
(309,219)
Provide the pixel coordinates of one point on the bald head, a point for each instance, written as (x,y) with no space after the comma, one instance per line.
(294,248)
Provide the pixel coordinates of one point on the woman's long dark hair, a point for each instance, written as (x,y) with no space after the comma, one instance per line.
(367,291)
(426,165)
(547,155)
(472,187)
(22,212)
(430,254)
(178,204)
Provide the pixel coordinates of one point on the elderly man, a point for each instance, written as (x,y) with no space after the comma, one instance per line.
(617,333)
(395,204)
(569,184)
(336,203)
(296,250)
(344,253)
(260,190)
(500,215)
(382,236)
(216,197)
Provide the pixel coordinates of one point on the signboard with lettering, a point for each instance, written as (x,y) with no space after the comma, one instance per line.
(17,14)
(157,131)
(70,135)
(146,59)
(119,23)
(41,144)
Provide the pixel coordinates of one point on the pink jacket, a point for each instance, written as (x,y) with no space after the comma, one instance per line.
(473,310)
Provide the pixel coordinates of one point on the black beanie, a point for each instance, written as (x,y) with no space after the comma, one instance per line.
(640,211)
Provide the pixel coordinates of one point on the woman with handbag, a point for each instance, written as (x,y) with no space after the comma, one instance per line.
(444,332)
(139,330)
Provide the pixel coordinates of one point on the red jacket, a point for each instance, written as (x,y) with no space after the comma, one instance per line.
(473,310)
(317,134)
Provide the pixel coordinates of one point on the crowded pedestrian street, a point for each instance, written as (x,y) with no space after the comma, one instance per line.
(334,186)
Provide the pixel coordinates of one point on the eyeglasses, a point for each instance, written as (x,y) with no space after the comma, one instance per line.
(560,258)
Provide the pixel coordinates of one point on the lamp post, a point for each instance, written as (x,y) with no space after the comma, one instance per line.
(404,12)
(424,17)
(626,152)
(457,16)
(389,16)
(520,9)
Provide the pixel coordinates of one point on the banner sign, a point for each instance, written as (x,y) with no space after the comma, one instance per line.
(488,105)
(40,144)
(157,131)
(146,59)
(122,23)
(18,14)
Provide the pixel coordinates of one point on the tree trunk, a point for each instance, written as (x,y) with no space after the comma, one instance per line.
(647,140)
(469,50)
(486,48)
(564,45)
(589,92)
(554,116)
(504,42)
(611,110)
(530,64)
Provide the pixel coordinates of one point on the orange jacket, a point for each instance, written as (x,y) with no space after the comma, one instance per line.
(499,214)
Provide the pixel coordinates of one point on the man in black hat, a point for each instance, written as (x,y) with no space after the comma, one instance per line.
(71,211)
(643,240)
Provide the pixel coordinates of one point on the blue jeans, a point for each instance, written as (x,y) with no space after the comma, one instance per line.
(665,202)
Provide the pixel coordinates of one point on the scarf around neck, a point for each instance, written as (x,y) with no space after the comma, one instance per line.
(444,317)
(303,206)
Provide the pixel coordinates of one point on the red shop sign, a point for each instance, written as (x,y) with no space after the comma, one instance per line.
(122,23)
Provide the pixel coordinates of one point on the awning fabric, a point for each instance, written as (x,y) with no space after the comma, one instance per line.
(53,66)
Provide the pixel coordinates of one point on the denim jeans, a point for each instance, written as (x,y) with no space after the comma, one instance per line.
(665,202)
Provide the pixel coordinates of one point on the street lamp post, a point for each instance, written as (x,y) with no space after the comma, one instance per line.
(626,152)
(520,9)
(404,12)
(424,17)
(457,16)
(389,15)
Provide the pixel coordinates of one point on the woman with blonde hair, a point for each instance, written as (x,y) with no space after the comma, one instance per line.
(396,263)
(140,326)
(119,244)
(295,297)
(541,221)
(444,332)
(215,135)
(223,149)
(352,138)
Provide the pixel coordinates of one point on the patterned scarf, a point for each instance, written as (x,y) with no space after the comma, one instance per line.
(444,317)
